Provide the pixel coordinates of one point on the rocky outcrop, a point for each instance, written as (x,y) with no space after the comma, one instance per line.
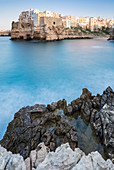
(64,158)
(111,34)
(36,124)
(99,112)
(8,161)
(36,156)
(103,124)
(26,31)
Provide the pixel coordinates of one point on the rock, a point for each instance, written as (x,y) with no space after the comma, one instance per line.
(36,124)
(16,162)
(107,97)
(9,161)
(27,163)
(33,157)
(68,110)
(65,158)
(85,94)
(52,107)
(41,153)
(93,161)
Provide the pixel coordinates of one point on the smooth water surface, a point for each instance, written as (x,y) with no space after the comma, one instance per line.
(41,72)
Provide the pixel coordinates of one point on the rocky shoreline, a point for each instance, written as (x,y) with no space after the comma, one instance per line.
(5,33)
(64,158)
(44,33)
(33,125)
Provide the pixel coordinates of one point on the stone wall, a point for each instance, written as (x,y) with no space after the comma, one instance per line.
(50,21)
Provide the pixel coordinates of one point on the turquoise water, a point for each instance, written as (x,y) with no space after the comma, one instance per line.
(34,72)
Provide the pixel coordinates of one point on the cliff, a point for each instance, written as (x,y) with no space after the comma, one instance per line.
(111,34)
(27,31)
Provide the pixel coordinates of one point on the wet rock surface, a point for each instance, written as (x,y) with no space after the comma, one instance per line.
(36,124)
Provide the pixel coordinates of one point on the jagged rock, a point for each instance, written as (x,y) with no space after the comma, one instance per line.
(93,161)
(68,110)
(8,161)
(33,157)
(107,97)
(36,157)
(33,125)
(36,124)
(52,107)
(28,163)
(64,158)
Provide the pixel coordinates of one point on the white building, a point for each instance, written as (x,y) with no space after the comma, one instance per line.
(48,13)
(34,16)
(66,23)
(32,13)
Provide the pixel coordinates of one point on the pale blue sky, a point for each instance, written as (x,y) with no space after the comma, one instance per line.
(10,9)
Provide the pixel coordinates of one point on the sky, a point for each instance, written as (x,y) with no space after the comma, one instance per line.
(11,9)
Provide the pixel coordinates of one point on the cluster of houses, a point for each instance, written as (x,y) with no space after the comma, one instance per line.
(54,19)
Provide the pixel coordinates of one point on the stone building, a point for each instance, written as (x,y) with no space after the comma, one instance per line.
(50,21)
(66,23)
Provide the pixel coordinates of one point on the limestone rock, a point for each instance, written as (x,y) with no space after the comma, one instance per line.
(64,158)
(8,161)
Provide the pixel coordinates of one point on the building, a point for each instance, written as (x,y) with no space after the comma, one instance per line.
(66,23)
(51,21)
(25,16)
(34,14)
(91,24)
(48,14)
(55,15)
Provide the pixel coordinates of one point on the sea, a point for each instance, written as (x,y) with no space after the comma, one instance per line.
(33,72)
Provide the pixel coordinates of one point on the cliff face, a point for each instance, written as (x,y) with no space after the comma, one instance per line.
(27,31)
(111,34)
(21,30)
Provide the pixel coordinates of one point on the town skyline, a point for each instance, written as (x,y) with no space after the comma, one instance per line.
(88,9)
